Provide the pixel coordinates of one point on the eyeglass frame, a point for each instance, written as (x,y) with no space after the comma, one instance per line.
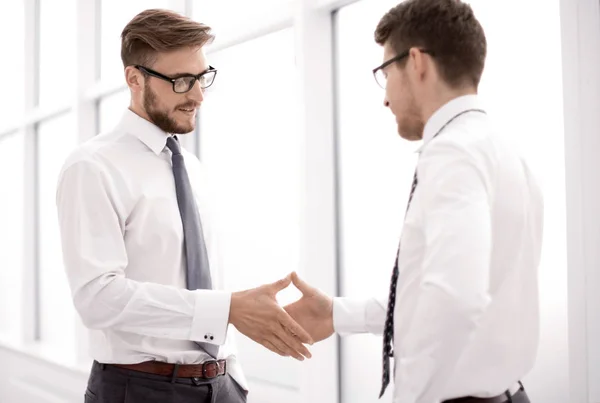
(172,80)
(394,60)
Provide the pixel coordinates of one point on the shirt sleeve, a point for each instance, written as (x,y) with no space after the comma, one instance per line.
(453,196)
(355,316)
(91,225)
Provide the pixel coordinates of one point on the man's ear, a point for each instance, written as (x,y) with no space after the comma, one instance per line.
(134,78)
(418,62)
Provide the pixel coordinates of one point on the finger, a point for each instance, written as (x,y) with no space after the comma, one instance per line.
(293,328)
(282,345)
(275,349)
(289,344)
(281,284)
(293,345)
(301,285)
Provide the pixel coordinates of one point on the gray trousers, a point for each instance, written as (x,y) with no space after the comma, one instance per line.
(109,384)
(520,397)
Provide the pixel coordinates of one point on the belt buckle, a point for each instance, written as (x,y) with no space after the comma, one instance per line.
(205,368)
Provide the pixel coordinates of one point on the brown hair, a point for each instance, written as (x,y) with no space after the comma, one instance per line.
(155,31)
(448,29)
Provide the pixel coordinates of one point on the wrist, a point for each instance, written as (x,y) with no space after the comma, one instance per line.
(330,322)
(235,306)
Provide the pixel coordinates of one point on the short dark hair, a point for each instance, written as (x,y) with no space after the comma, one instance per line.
(446,28)
(155,31)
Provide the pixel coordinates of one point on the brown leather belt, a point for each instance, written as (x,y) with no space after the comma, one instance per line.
(206,370)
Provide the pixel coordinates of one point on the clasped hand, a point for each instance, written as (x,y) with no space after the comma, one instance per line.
(285,331)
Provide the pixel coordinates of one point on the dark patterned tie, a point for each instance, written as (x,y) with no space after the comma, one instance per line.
(388,329)
(197,267)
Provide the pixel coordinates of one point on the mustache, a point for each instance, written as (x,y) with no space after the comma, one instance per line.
(188,106)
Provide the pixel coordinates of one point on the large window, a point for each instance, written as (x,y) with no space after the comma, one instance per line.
(230,17)
(376,168)
(114,16)
(12,26)
(56,139)
(253,139)
(248,141)
(111,109)
(12,165)
(57,53)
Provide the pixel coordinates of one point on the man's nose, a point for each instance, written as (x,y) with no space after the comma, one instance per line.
(196,93)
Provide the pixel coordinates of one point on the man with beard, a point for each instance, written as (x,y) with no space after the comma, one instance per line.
(138,238)
(462,309)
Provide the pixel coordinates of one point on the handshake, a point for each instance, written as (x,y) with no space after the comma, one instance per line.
(285,331)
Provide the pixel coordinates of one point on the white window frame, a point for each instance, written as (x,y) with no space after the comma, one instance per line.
(580,20)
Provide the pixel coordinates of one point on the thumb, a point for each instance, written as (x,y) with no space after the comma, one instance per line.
(281,284)
(301,284)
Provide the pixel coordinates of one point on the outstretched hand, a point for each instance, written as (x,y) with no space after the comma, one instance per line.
(256,314)
(314,311)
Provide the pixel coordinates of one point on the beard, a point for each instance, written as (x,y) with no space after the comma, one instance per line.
(411,128)
(410,125)
(162,118)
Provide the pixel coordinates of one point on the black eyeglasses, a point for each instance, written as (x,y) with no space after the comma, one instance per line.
(379,74)
(184,82)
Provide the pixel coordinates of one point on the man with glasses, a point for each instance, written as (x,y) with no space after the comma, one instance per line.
(139,239)
(462,309)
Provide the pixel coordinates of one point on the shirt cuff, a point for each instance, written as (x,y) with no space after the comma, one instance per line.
(349,315)
(211,316)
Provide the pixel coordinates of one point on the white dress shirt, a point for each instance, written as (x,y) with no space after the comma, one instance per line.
(122,241)
(466,314)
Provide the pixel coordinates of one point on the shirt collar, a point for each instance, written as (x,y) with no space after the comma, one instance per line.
(146,131)
(445,113)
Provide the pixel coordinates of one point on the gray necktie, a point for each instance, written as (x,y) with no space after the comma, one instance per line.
(197,267)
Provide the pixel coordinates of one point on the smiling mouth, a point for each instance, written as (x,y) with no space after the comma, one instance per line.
(187,110)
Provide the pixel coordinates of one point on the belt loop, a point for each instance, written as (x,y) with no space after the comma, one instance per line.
(508,395)
(521,385)
(103,366)
(174,376)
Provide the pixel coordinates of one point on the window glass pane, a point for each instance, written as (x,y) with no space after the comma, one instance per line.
(115,15)
(11,232)
(249,143)
(376,169)
(56,139)
(58,50)
(228,18)
(111,109)
(12,20)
